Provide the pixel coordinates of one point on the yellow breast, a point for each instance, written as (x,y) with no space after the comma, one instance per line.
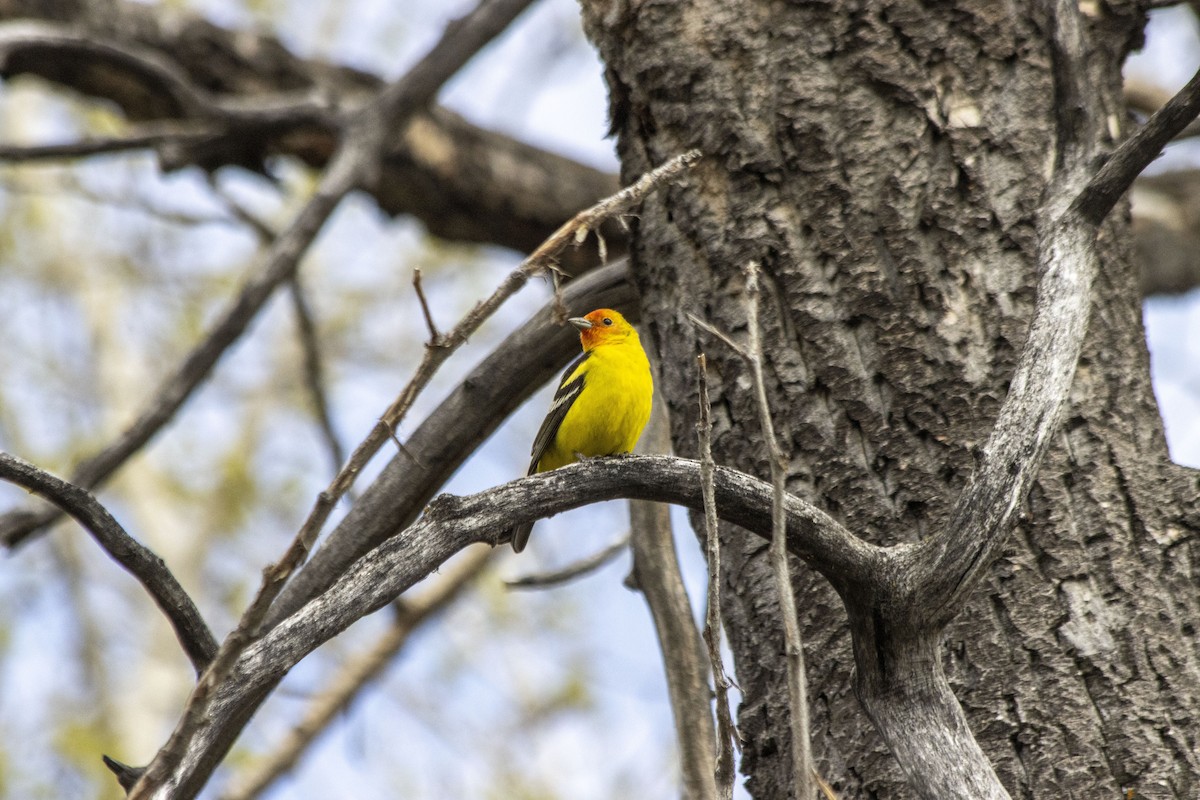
(608,416)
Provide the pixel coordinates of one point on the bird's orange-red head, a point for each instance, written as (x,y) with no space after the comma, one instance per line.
(602,326)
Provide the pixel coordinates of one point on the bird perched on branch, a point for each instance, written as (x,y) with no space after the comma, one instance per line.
(602,403)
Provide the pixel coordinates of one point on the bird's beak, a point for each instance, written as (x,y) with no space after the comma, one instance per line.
(580,322)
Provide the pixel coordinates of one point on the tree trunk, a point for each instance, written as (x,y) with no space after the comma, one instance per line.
(884,162)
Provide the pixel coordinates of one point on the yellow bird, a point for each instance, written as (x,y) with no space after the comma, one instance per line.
(602,403)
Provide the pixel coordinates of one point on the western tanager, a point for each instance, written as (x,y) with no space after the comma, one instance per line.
(602,403)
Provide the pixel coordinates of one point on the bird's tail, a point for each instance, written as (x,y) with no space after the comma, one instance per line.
(520,536)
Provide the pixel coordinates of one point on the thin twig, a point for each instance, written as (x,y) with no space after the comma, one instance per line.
(357,157)
(314,372)
(434,357)
(435,337)
(356,676)
(576,229)
(726,733)
(802,767)
(145,137)
(261,228)
(570,572)
(139,561)
(721,335)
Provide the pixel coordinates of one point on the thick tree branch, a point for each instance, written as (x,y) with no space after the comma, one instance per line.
(191,630)
(356,676)
(452,523)
(657,576)
(462,181)
(947,566)
(525,360)
(357,158)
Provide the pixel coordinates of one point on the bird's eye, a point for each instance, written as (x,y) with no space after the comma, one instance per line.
(607,321)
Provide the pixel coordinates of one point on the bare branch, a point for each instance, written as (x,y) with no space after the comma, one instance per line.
(314,372)
(435,337)
(356,158)
(947,566)
(356,676)
(657,576)
(726,733)
(721,336)
(1136,153)
(576,229)
(148,136)
(451,523)
(150,571)
(569,573)
(802,769)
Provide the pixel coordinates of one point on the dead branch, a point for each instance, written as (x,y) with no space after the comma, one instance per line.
(355,677)
(357,158)
(656,574)
(138,560)
(584,566)
(452,523)
(726,733)
(802,768)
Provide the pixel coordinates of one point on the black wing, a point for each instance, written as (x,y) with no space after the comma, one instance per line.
(568,390)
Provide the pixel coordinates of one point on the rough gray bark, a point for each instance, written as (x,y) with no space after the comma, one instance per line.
(885,164)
